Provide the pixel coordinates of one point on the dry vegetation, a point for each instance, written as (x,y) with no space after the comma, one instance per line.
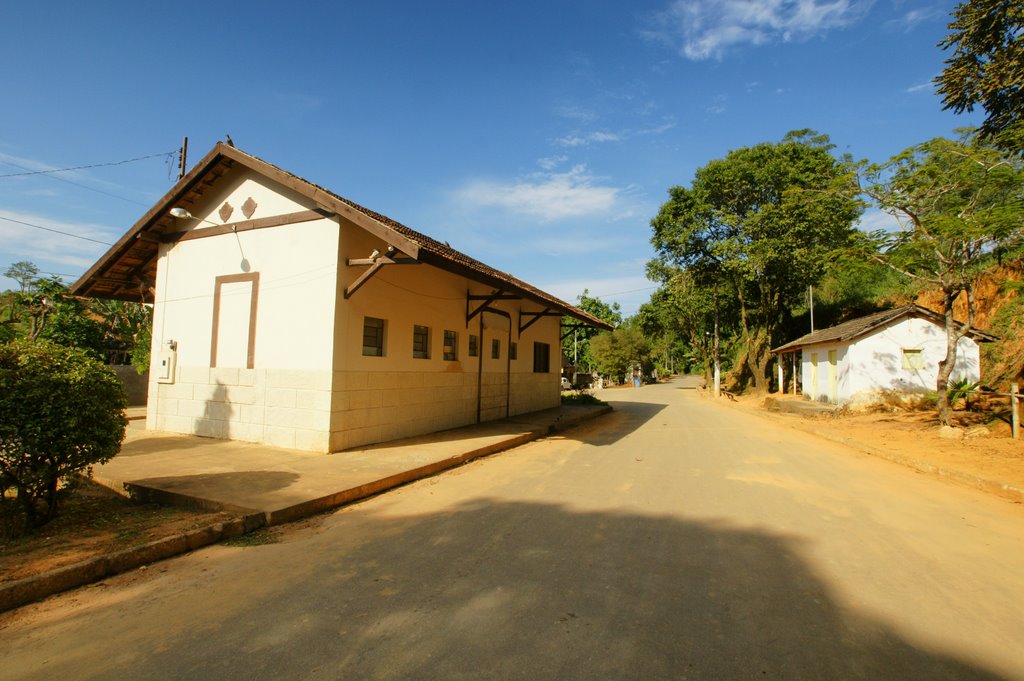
(93,521)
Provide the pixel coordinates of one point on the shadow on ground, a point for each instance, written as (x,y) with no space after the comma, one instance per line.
(491,590)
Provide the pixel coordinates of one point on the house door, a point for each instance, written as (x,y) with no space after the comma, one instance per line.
(833,378)
(812,388)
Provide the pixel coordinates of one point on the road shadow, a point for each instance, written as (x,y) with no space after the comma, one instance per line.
(624,419)
(501,590)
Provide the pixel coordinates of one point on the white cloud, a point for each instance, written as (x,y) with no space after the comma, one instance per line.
(576,113)
(920,87)
(548,196)
(704,29)
(596,137)
(21,242)
(909,21)
(552,162)
(658,129)
(717,105)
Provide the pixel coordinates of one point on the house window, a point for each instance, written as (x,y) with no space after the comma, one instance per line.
(513,351)
(913,358)
(421,342)
(474,347)
(451,345)
(373,337)
(495,349)
(541,358)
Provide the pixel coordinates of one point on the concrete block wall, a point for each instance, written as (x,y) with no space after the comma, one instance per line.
(534,392)
(282,408)
(373,407)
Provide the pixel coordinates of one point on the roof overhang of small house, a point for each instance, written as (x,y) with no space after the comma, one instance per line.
(851,330)
(127,271)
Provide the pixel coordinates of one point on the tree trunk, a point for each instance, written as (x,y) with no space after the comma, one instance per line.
(947,363)
(758,356)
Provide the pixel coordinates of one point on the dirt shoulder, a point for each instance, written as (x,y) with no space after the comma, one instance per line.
(95,522)
(987,453)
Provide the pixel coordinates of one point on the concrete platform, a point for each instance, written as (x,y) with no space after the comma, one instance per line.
(285,485)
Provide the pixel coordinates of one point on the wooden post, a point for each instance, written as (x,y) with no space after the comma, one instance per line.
(1014,411)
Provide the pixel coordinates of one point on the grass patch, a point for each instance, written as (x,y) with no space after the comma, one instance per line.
(260,537)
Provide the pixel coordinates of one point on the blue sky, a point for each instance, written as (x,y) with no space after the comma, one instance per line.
(538,137)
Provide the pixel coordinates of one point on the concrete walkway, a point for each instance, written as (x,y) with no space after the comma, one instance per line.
(285,485)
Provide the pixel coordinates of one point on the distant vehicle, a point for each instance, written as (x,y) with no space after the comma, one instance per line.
(566,385)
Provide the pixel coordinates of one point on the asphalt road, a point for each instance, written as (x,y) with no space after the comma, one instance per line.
(674,539)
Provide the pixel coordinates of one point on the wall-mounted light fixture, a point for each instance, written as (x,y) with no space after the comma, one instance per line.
(182,213)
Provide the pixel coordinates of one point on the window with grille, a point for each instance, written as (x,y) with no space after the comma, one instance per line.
(474,346)
(421,342)
(495,349)
(373,337)
(451,345)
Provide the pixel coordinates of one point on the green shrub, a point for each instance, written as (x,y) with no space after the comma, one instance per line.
(60,412)
(581,397)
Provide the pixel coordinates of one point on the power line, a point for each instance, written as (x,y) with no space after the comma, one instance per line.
(619,293)
(168,154)
(56,231)
(83,186)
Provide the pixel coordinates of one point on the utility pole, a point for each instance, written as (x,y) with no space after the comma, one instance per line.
(810,296)
(182,155)
(718,379)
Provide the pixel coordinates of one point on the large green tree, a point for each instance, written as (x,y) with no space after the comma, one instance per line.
(23,272)
(957,202)
(761,224)
(987,68)
(617,352)
(116,331)
(682,313)
(576,344)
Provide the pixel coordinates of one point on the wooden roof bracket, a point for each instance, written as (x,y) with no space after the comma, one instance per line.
(375,263)
(534,318)
(498,294)
(572,327)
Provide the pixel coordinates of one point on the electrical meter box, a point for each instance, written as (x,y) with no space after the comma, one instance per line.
(165,364)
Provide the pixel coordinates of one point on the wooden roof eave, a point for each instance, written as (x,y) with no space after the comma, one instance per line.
(449,265)
(87,282)
(227,156)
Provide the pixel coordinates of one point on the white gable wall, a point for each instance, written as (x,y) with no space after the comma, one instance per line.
(874,363)
(284,399)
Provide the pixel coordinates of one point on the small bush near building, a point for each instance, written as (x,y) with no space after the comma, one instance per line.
(60,412)
(581,397)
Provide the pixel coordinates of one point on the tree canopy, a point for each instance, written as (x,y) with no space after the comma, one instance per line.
(760,226)
(987,68)
(576,345)
(957,203)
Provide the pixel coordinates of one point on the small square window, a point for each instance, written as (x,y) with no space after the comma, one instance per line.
(541,358)
(421,342)
(373,337)
(474,346)
(913,358)
(495,349)
(513,351)
(451,346)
